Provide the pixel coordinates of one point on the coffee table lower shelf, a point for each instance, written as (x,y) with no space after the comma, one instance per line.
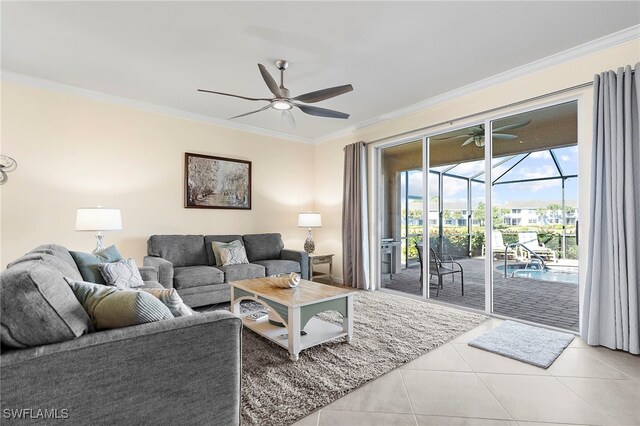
(318,331)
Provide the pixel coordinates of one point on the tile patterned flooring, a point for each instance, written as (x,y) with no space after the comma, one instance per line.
(456,384)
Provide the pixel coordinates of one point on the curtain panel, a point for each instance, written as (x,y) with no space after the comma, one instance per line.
(355,224)
(611,308)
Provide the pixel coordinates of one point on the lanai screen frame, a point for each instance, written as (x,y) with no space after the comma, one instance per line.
(475,178)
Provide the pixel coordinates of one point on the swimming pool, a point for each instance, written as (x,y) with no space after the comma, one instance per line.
(552,273)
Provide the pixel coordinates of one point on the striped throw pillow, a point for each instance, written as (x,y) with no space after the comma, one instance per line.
(122,274)
(171,299)
(109,307)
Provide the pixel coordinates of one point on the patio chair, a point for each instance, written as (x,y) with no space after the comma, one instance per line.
(530,241)
(440,264)
(498,247)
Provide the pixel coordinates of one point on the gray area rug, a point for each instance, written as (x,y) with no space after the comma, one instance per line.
(533,345)
(388,332)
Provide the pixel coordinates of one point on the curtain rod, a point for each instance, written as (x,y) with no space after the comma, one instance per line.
(464,117)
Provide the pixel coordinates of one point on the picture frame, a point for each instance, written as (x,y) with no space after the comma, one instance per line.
(216,182)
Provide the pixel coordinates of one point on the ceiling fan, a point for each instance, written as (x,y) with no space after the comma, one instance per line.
(476,134)
(282,100)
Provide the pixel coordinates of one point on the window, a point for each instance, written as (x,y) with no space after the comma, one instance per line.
(516,210)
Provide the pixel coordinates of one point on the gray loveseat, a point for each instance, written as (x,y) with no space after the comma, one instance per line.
(184,371)
(187,263)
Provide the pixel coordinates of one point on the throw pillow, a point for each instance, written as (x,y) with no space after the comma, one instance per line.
(88,263)
(109,307)
(123,274)
(172,300)
(216,246)
(233,256)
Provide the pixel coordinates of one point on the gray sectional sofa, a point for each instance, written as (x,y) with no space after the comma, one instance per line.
(184,371)
(187,263)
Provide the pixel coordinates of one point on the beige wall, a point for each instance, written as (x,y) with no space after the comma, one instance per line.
(74,152)
(329,158)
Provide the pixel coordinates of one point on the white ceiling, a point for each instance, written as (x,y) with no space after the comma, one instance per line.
(394,53)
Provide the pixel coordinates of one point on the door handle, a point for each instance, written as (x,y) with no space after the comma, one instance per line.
(577,232)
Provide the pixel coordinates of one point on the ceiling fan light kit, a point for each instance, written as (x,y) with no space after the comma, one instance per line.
(285,103)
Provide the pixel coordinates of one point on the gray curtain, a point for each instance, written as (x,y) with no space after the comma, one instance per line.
(355,224)
(611,306)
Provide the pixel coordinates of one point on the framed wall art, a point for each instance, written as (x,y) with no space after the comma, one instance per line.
(216,182)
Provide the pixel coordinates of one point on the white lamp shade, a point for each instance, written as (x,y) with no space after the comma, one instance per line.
(309,220)
(98,219)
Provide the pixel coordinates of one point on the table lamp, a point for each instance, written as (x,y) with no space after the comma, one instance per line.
(309,220)
(98,219)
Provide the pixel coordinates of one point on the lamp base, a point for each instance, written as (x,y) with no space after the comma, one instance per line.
(309,245)
(99,242)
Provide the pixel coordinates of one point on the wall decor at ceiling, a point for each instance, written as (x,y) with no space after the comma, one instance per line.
(216,182)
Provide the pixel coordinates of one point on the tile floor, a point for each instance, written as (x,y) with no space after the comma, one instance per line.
(456,384)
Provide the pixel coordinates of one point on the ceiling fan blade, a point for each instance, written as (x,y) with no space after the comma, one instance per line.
(252,112)
(235,96)
(321,95)
(503,136)
(512,126)
(271,83)
(288,119)
(321,112)
(468,141)
(451,137)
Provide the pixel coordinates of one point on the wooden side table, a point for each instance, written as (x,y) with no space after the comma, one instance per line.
(320,259)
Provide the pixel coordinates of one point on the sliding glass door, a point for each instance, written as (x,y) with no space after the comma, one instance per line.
(401,217)
(534,196)
(498,203)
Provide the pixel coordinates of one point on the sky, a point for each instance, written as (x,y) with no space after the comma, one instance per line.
(536,165)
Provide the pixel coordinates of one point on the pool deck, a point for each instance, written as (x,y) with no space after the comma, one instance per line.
(545,302)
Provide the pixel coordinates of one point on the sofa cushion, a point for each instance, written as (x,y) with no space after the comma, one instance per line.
(56,262)
(88,263)
(263,246)
(38,307)
(180,250)
(208,239)
(151,284)
(60,252)
(109,307)
(196,276)
(274,267)
(242,272)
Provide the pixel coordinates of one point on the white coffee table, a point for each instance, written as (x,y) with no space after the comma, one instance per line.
(295,308)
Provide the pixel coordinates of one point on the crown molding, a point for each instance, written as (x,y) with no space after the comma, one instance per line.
(608,41)
(12,77)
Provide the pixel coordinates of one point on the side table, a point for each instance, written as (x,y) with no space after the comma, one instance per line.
(320,259)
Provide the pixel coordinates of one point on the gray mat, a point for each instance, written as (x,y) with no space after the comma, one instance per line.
(533,345)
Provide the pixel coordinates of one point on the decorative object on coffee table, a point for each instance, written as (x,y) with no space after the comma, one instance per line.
(216,182)
(320,259)
(285,280)
(98,219)
(309,220)
(296,308)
